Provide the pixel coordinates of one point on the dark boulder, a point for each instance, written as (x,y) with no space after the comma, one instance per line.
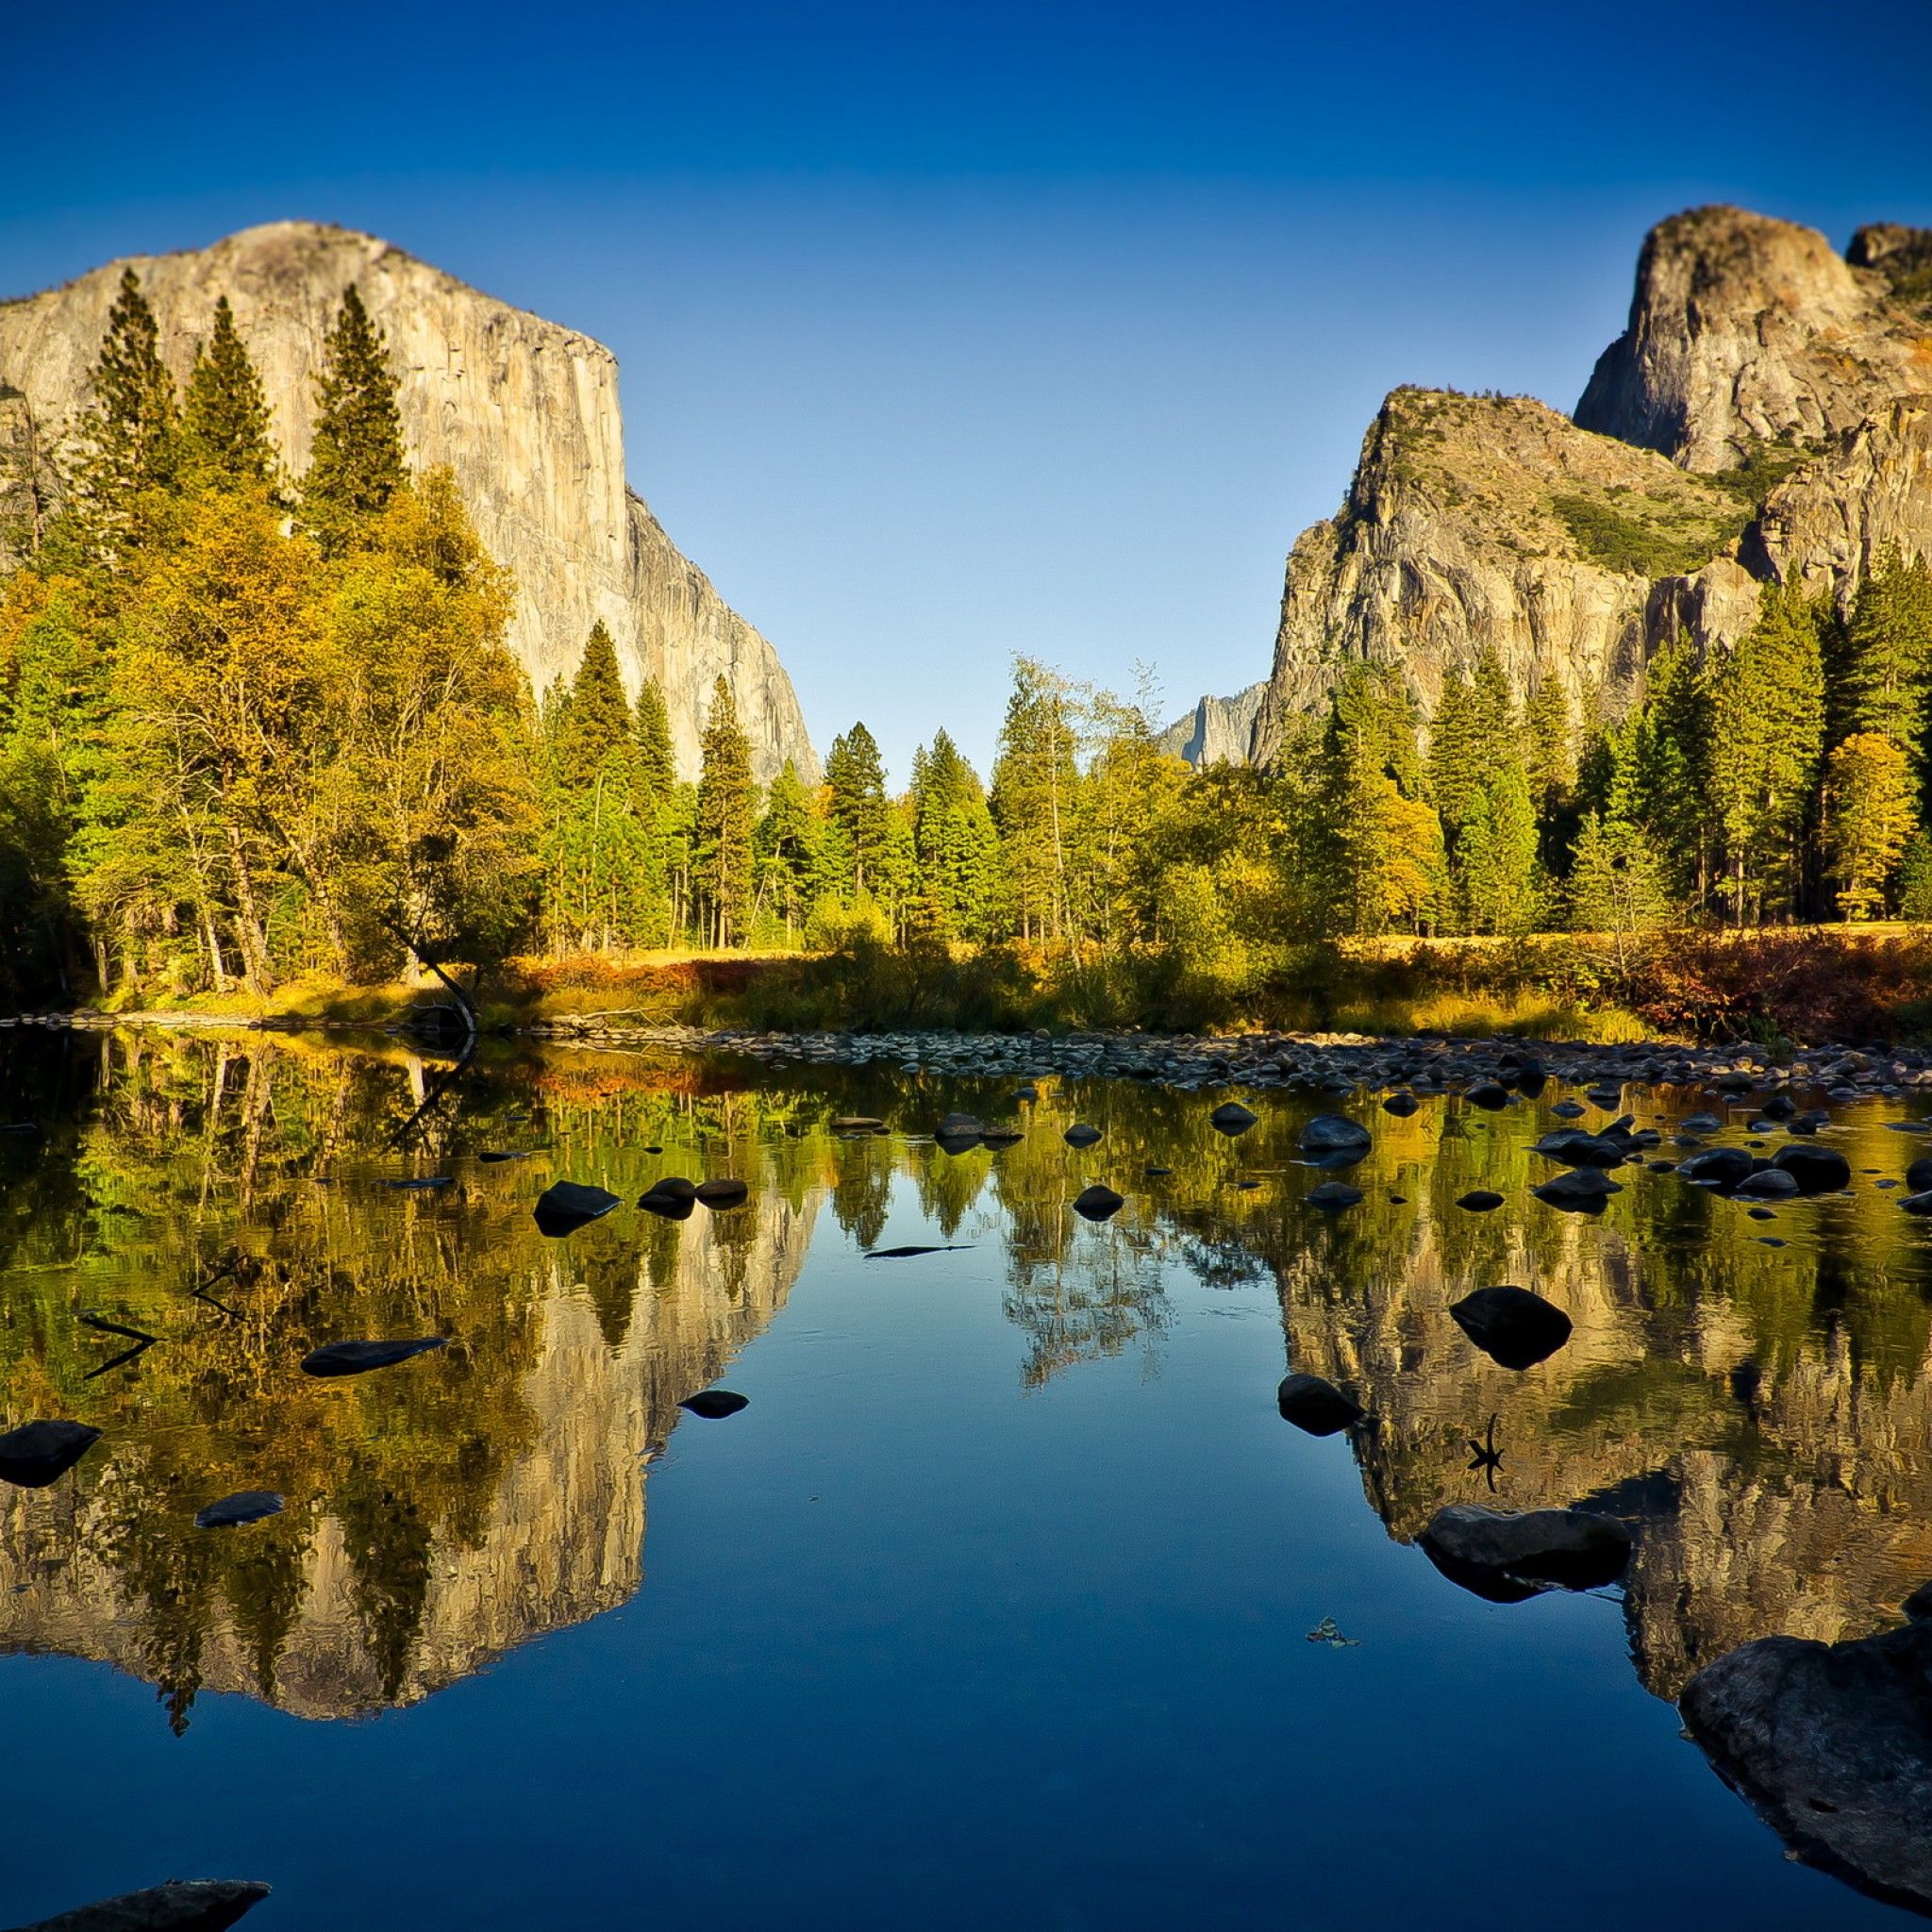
(671,1196)
(1097,1203)
(1919,1175)
(1333,1133)
(722,1194)
(1081,1135)
(245,1505)
(565,1206)
(1917,1204)
(39,1453)
(1401,1104)
(1701,1124)
(1488,1094)
(1575,1148)
(1232,1118)
(1513,1325)
(1767,1184)
(1331,1197)
(712,1405)
(358,1358)
(1580,1190)
(1567,1110)
(182,1905)
(1832,1745)
(1479,1201)
(1506,1557)
(1816,1170)
(1716,1166)
(1315,1406)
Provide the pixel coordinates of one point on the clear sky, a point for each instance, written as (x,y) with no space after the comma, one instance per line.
(955,330)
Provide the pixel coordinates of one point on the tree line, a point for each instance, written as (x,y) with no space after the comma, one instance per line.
(255,726)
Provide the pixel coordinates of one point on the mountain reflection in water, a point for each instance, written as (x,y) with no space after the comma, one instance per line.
(1758,1415)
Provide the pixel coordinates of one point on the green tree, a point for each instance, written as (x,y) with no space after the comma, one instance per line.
(725,816)
(356,457)
(955,845)
(1496,856)
(131,437)
(1616,886)
(595,735)
(226,435)
(1888,673)
(656,761)
(857,803)
(1034,782)
(1767,737)
(786,854)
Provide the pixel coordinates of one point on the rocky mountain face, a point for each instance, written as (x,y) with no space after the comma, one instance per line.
(1217,730)
(1767,412)
(524,412)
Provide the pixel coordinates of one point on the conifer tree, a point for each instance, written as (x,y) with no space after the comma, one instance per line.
(725,815)
(226,436)
(1495,856)
(356,458)
(1767,736)
(132,435)
(1033,790)
(857,803)
(1617,887)
(1889,670)
(787,846)
(594,737)
(657,762)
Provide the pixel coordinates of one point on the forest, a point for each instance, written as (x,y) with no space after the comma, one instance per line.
(258,728)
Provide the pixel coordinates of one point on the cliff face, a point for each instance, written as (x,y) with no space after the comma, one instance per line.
(524,411)
(1217,730)
(1765,413)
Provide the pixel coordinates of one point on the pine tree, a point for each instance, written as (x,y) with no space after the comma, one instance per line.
(132,454)
(356,458)
(594,735)
(1869,820)
(226,435)
(657,762)
(1617,887)
(857,803)
(787,848)
(1495,856)
(955,845)
(726,814)
(1767,735)
(1889,671)
(1034,784)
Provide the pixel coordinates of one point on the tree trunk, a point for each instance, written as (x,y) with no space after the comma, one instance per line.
(248,917)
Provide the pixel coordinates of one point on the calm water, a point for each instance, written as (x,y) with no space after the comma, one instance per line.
(993,1608)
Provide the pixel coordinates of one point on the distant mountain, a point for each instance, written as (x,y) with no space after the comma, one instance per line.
(1768,411)
(1217,730)
(524,410)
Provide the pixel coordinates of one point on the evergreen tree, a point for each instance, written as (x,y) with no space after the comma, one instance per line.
(1496,857)
(955,845)
(726,814)
(226,435)
(1767,736)
(1669,769)
(594,730)
(1869,820)
(1379,851)
(356,457)
(1617,885)
(131,437)
(1033,788)
(856,779)
(786,854)
(657,762)
(1889,671)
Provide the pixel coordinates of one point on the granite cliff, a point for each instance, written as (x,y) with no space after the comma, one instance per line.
(524,412)
(1766,412)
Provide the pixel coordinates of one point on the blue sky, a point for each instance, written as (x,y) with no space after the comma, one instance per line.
(949,331)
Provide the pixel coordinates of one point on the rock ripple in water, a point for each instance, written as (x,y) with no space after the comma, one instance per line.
(1097,1203)
(567,1206)
(714,1404)
(1315,1406)
(1513,1325)
(1508,1556)
(39,1453)
(244,1507)
(358,1358)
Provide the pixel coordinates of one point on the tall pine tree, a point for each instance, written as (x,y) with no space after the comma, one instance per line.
(226,438)
(356,458)
(726,811)
(131,455)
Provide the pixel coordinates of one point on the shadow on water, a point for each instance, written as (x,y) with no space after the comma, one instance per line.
(1757,1417)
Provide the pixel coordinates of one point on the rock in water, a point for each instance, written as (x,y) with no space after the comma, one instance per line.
(959,1133)
(357,1357)
(1331,1197)
(857,1125)
(525,412)
(1580,1190)
(1816,1170)
(1767,1184)
(1080,1135)
(566,1205)
(1315,1406)
(905,1254)
(714,1404)
(1832,1745)
(672,1196)
(39,1453)
(1401,1104)
(723,1193)
(244,1507)
(1479,1201)
(182,1905)
(1333,1133)
(1505,1556)
(1232,1118)
(1716,1166)
(1919,1175)
(1097,1203)
(1511,1325)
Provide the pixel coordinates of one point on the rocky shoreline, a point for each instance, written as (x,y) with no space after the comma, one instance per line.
(1333,1064)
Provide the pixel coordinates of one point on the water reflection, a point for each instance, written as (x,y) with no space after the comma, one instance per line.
(1758,1413)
